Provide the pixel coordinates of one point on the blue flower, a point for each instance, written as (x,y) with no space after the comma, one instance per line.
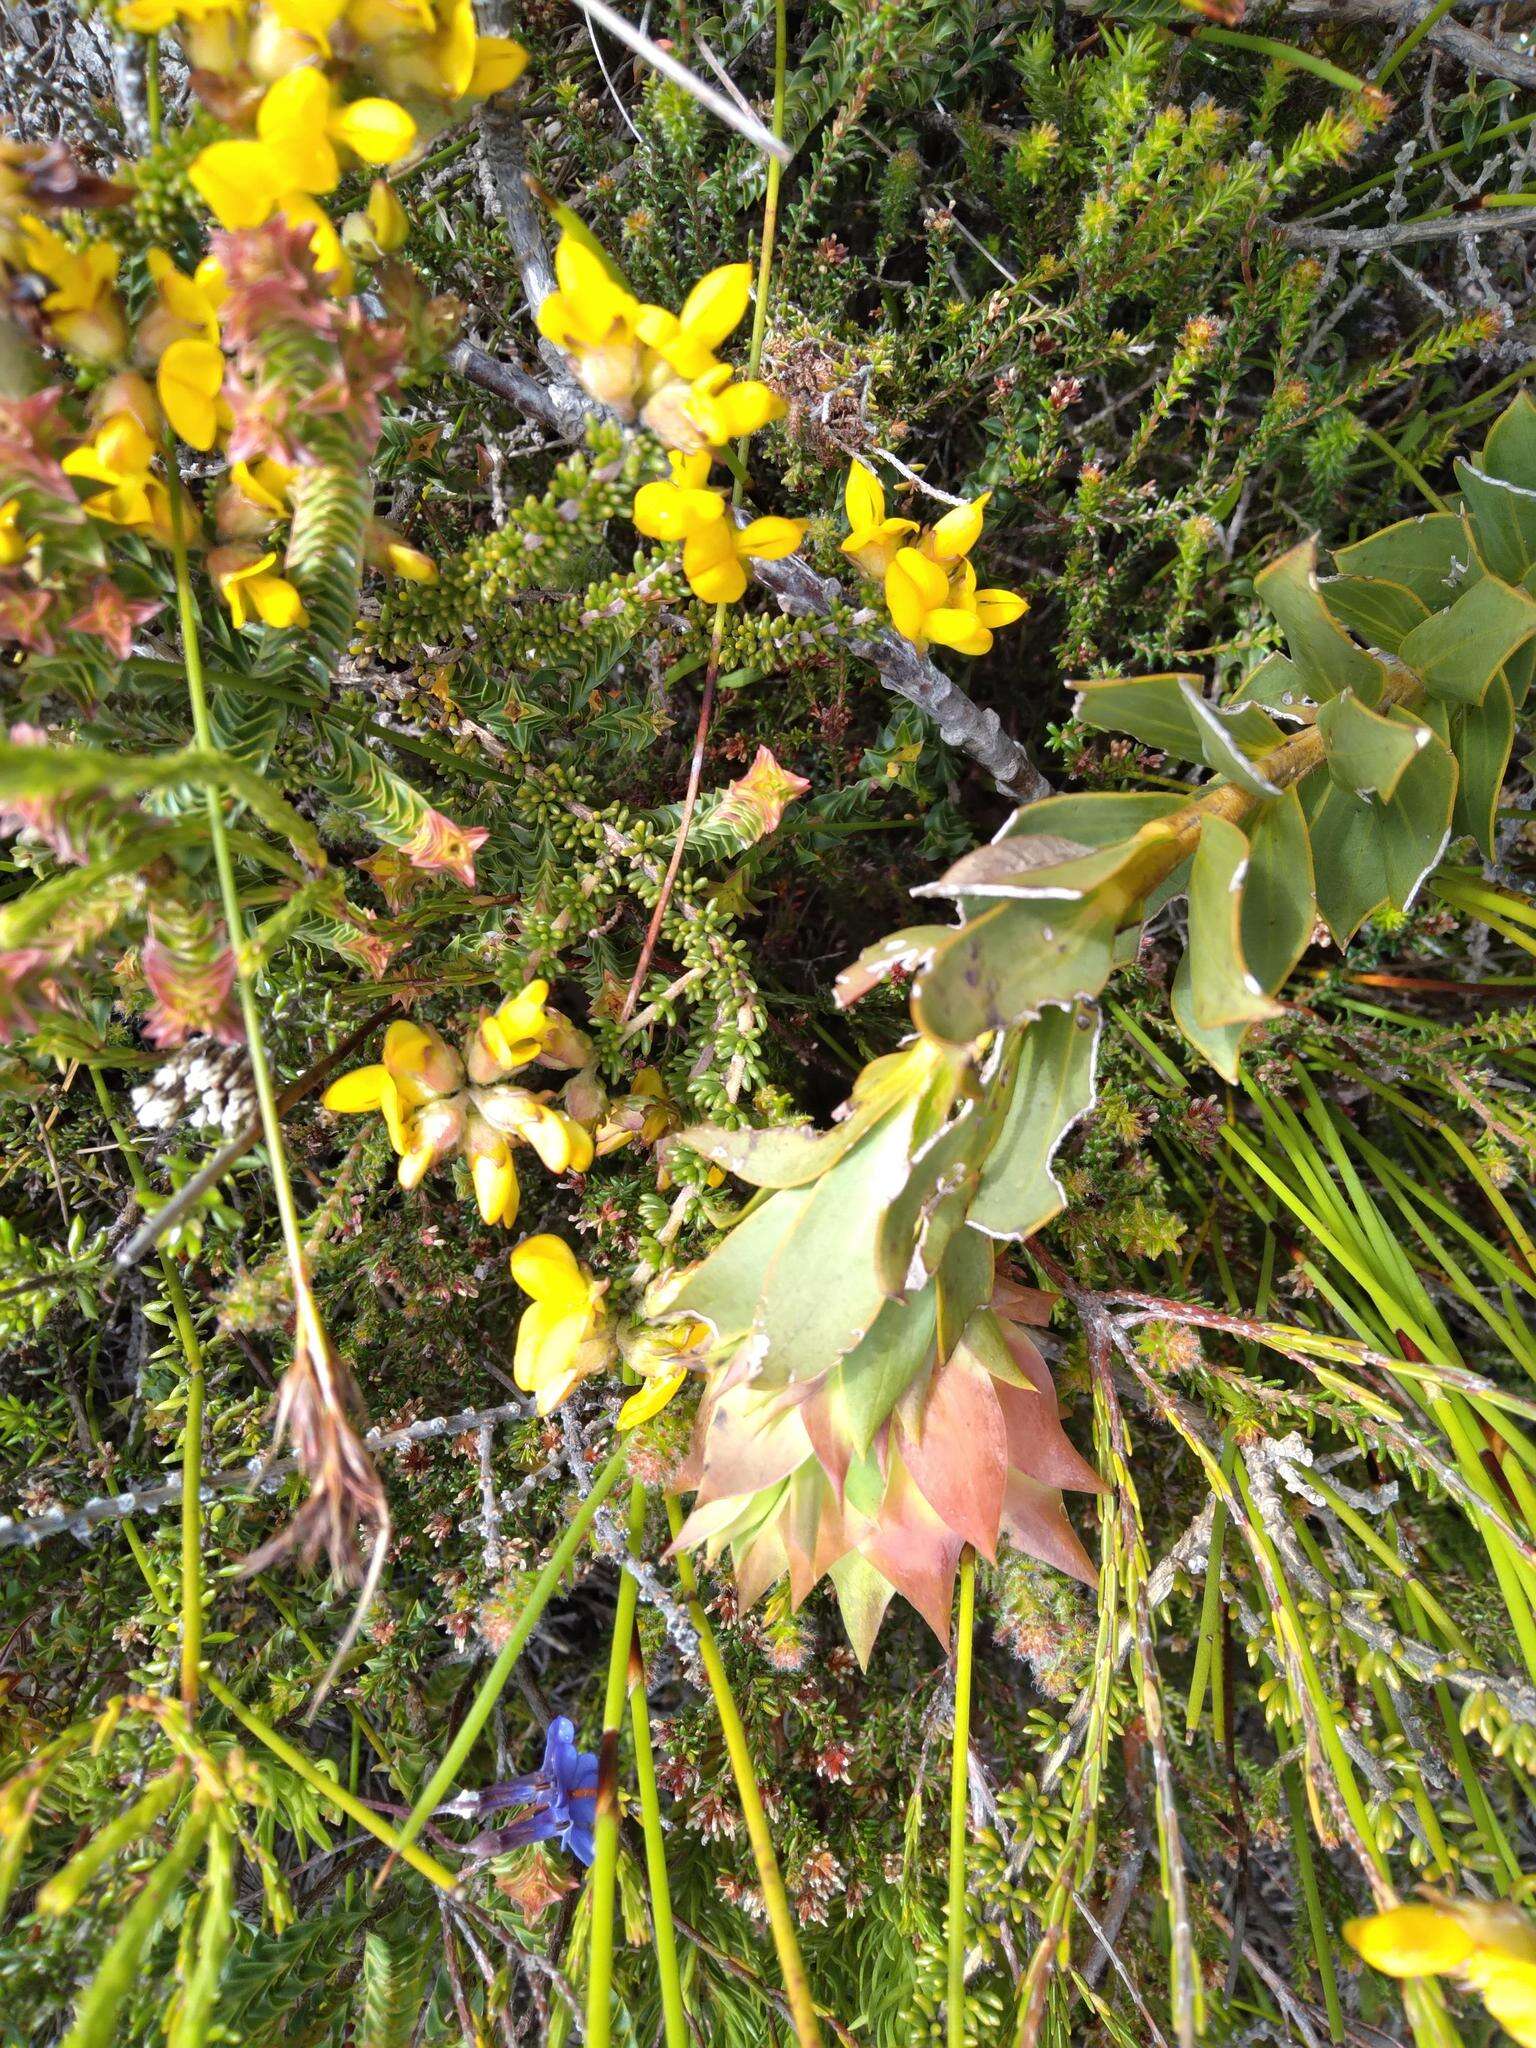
(561,1799)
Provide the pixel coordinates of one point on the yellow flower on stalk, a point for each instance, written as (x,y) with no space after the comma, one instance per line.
(186,308)
(212,32)
(13,542)
(564,1145)
(117,457)
(592,320)
(252,587)
(712,411)
(255,497)
(188,381)
(298,129)
(662,1357)
(1490,1948)
(951,538)
(687,341)
(418,1074)
(84,313)
(561,1337)
(380,228)
(873,539)
(715,549)
(492,1172)
(931,601)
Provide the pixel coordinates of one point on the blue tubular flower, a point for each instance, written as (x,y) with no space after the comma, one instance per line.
(561,1798)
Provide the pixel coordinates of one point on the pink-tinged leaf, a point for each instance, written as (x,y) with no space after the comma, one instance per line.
(1034,1519)
(441,847)
(1016,1304)
(710,1518)
(108,615)
(862,1597)
(827,1432)
(1038,1446)
(959,1458)
(762,1560)
(916,1550)
(749,1446)
(754,804)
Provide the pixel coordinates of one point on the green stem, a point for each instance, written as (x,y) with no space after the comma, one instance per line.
(152,87)
(959,1798)
(311,1332)
(1414,37)
(770,203)
(191,1433)
(1317,1920)
(674,2017)
(781,1922)
(484,1702)
(605,1860)
(336,1794)
(1208,1665)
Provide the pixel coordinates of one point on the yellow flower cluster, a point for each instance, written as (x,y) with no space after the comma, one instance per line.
(437,1102)
(1490,1948)
(930,586)
(715,549)
(565,1336)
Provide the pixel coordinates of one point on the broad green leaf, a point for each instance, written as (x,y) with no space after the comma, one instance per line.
(1275,685)
(1014,960)
(1509,452)
(1223,989)
(1416,824)
(1346,855)
(1431,556)
(1484,735)
(823,1287)
(862,1598)
(724,1287)
(1502,517)
(1367,753)
(964,1285)
(1457,652)
(1328,660)
(1100,819)
(1279,896)
(1151,709)
(865,1385)
(1378,612)
(1054,1086)
(1035,866)
(1219,742)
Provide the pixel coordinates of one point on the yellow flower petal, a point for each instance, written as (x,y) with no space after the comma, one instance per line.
(377,130)
(361,1090)
(1508,1990)
(863,499)
(650,1399)
(546,1267)
(1000,607)
(768,540)
(499,62)
(712,565)
(188,381)
(664,512)
(958,531)
(238,181)
(962,630)
(292,121)
(1410,1941)
(716,304)
(386,216)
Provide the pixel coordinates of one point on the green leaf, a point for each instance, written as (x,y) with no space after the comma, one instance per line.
(1100,819)
(1429,556)
(1380,613)
(1275,685)
(1223,989)
(724,1287)
(1458,652)
(1014,960)
(1346,855)
(246,724)
(1367,754)
(1220,750)
(1416,824)
(1169,712)
(1052,1089)
(1509,452)
(1327,659)
(391,1989)
(1279,895)
(1484,735)
(865,1385)
(1502,517)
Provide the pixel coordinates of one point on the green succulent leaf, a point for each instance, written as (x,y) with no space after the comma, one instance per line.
(1459,651)
(1053,1087)
(1431,557)
(1326,658)
(1367,753)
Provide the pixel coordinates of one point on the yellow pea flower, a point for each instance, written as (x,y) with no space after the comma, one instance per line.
(929,601)
(560,1337)
(711,411)
(952,537)
(252,588)
(662,1357)
(84,313)
(715,556)
(499,62)
(873,539)
(266,483)
(13,542)
(672,508)
(493,1172)
(212,32)
(1490,1948)
(510,1036)
(687,341)
(591,320)
(185,308)
(291,32)
(380,228)
(118,458)
(298,127)
(386,548)
(418,1068)
(562,1143)
(188,381)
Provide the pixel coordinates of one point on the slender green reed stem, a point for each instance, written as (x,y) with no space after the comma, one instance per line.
(959,1799)
(329,1789)
(781,1922)
(484,1702)
(673,2014)
(1317,1919)
(605,1861)
(192,1425)
(1414,37)
(152,87)
(1208,1665)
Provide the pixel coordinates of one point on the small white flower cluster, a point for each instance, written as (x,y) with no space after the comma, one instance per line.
(203,1084)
